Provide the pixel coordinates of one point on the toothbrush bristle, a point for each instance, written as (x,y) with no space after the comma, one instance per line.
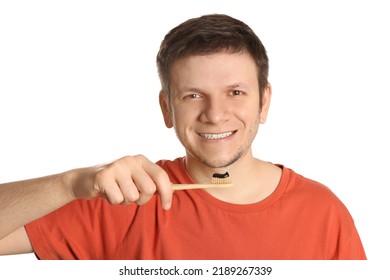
(221,178)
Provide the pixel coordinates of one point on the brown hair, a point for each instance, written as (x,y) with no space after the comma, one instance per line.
(211,34)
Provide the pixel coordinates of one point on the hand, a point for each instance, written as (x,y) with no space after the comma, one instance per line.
(129,179)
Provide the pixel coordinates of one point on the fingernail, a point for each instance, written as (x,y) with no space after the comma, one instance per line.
(167,206)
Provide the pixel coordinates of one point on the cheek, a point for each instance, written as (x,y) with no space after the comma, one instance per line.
(184,115)
(182,120)
(250,115)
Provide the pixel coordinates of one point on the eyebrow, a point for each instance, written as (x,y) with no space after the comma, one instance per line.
(238,85)
(199,90)
(190,89)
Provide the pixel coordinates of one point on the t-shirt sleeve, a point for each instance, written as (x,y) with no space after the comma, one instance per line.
(349,246)
(323,216)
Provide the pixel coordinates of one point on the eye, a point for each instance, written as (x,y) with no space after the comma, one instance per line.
(192,96)
(237,92)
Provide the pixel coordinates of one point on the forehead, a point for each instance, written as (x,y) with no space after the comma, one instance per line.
(214,69)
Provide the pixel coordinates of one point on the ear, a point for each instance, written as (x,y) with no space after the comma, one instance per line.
(165,109)
(265,103)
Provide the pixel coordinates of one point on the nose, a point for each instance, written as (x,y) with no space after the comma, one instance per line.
(215,111)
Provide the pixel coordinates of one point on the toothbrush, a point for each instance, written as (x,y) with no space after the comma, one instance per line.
(218,181)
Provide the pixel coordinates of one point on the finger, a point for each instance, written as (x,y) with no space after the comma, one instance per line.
(128,189)
(126,185)
(110,190)
(145,186)
(162,183)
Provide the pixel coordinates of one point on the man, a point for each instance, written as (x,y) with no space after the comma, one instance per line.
(215,94)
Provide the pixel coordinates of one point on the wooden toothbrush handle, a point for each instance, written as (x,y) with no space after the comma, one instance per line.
(177,187)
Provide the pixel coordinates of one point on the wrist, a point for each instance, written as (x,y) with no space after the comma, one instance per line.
(78,183)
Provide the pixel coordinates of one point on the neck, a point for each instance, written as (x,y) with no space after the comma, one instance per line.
(253,179)
(202,173)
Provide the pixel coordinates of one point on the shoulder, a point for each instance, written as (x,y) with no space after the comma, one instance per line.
(311,193)
(170,164)
(298,183)
(306,196)
(319,211)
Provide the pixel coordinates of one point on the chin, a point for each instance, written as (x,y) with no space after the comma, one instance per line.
(219,162)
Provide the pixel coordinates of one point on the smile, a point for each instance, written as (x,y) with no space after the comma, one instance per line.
(215,136)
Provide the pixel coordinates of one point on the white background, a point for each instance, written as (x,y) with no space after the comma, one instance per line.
(79,87)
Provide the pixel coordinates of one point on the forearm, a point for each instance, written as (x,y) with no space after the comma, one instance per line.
(127,180)
(25,201)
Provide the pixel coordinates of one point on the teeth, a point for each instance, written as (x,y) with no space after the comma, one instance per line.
(213,136)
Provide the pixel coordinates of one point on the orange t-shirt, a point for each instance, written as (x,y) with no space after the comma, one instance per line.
(301,219)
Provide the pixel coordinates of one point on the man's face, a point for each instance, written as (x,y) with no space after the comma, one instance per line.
(215,106)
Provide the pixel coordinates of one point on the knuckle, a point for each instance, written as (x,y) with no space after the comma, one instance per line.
(139,157)
(143,200)
(136,158)
(149,189)
(131,197)
(133,162)
(114,200)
